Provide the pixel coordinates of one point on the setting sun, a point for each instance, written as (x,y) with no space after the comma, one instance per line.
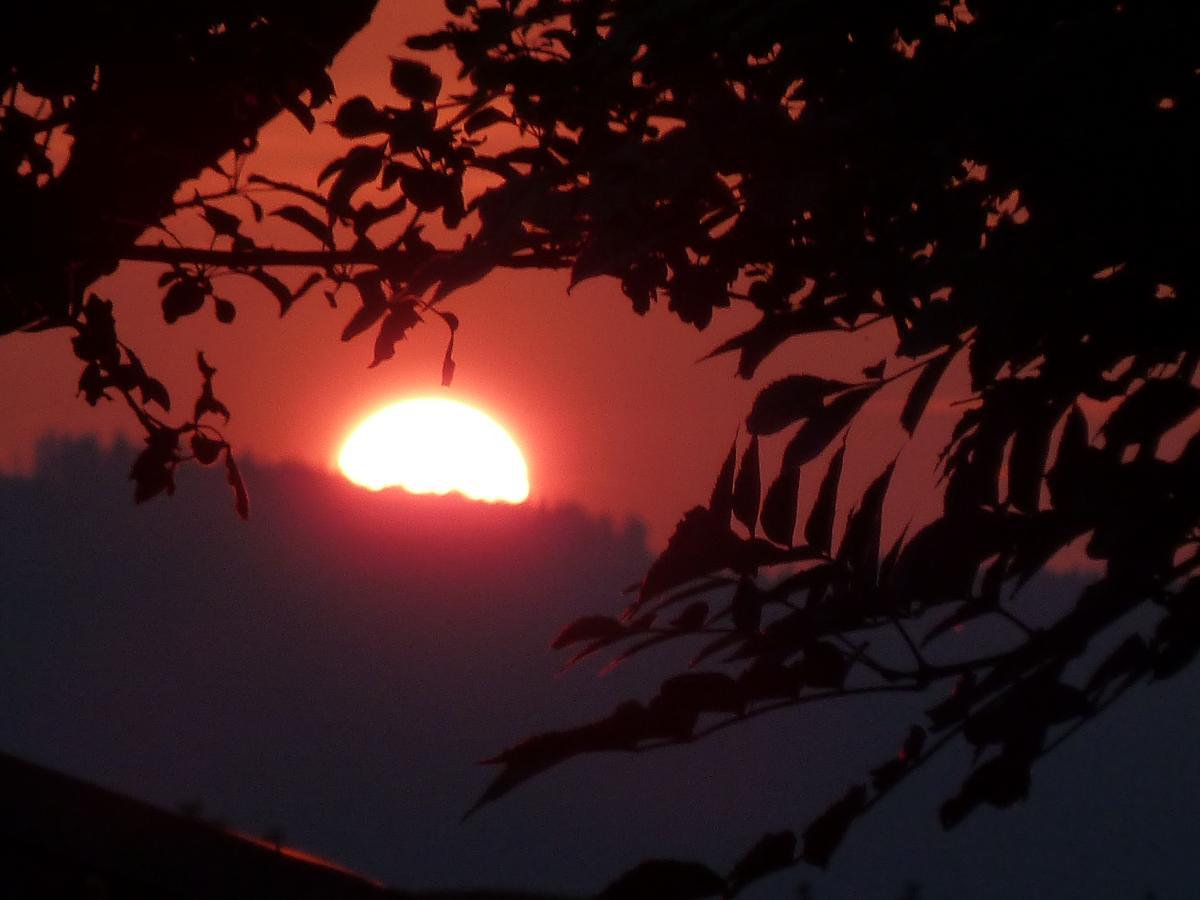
(435,446)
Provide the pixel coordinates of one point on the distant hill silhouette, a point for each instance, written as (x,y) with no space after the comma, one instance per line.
(333,669)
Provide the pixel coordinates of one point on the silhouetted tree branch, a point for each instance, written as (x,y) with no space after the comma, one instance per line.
(1007,185)
(107,110)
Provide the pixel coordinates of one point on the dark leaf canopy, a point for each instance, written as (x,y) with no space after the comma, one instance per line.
(999,194)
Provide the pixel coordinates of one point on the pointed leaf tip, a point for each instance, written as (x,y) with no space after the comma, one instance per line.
(922,390)
(788,400)
(818,530)
(823,836)
(720,502)
(747,487)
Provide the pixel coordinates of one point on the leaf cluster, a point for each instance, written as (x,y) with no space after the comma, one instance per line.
(990,187)
(1002,190)
(113,370)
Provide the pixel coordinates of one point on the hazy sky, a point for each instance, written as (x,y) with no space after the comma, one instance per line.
(337,666)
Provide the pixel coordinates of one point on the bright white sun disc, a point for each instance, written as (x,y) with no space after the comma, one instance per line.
(434,446)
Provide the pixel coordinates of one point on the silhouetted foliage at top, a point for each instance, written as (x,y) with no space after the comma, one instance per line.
(1001,187)
(107,108)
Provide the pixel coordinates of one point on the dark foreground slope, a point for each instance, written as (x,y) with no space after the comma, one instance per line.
(65,838)
(331,671)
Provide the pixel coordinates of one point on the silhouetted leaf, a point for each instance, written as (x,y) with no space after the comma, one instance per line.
(746,606)
(703,586)
(331,169)
(1147,413)
(448,363)
(1177,637)
(363,318)
(757,343)
(415,80)
(818,530)
(621,730)
(876,370)
(153,471)
(1027,461)
(693,617)
(772,852)
(941,560)
(533,755)
(724,642)
(408,131)
(720,503)
(788,400)
(287,187)
(170,275)
(397,323)
(767,679)
(914,743)
(586,629)
(433,41)
(1130,659)
(281,291)
(665,879)
(747,487)
(888,775)
(207,402)
(373,308)
(183,298)
(310,281)
(1001,781)
(820,430)
(358,117)
(922,390)
(485,118)
(234,477)
(360,167)
(956,706)
(368,215)
(1074,441)
(205,449)
(429,190)
(1022,714)
(700,545)
(206,371)
(633,628)
(300,216)
(153,390)
(888,565)
(860,544)
(220,221)
(779,506)
(966,612)
(698,692)
(225,310)
(823,836)
(823,665)
(633,650)
(301,112)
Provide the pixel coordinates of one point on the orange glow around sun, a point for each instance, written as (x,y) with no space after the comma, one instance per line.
(435,446)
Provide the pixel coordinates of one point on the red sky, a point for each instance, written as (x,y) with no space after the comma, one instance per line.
(610,408)
(613,410)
